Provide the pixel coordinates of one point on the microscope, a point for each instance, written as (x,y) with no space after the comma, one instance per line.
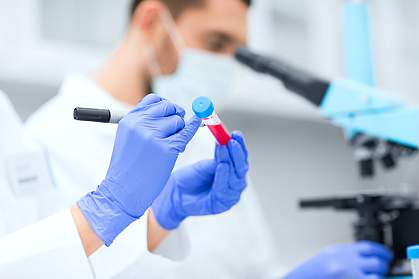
(378,125)
(382,128)
(388,219)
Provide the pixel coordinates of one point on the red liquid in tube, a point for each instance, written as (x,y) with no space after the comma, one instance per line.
(220,133)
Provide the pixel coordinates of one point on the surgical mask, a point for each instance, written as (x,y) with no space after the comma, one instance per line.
(200,73)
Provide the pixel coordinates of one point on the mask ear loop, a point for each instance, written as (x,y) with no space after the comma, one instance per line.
(170,25)
(178,42)
(153,66)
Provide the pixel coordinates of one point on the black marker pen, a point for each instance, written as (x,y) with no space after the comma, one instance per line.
(98,115)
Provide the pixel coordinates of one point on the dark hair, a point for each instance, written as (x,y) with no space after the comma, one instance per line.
(176,7)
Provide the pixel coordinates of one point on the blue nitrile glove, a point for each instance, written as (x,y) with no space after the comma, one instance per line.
(205,188)
(148,142)
(362,260)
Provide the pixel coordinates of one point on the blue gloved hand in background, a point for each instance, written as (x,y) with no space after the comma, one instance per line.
(362,260)
(148,142)
(205,188)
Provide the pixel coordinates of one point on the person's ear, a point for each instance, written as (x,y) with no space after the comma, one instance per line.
(147,16)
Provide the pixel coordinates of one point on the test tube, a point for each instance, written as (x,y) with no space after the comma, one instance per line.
(204,109)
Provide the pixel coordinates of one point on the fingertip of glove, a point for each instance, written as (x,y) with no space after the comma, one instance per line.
(237,134)
(180,111)
(373,248)
(195,120)
(233,143)
(238,137)
(193,125)
(236,148)
(150,99)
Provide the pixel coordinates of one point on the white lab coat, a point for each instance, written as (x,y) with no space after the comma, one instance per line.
(235,244)
(45,248)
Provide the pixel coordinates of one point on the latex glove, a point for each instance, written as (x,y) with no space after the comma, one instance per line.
(362,260)
(205,188)
(148,142)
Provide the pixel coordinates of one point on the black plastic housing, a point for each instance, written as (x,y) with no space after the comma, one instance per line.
(306,85)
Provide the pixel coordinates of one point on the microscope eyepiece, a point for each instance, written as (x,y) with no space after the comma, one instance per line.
(306,85)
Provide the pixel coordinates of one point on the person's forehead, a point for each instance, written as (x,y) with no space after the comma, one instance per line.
(225,7)
(217,15)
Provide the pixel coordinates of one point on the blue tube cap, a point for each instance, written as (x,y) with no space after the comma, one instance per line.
(413,252)
(203,107)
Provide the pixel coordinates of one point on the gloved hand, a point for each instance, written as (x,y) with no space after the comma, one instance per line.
(362,260)
(148,142)
(205,188)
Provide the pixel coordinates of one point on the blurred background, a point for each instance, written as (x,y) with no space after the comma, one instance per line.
(43,40)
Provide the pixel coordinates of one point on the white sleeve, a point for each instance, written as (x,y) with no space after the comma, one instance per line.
(176,246)
(128,247)
(48,249)
(131,246)
(53,246)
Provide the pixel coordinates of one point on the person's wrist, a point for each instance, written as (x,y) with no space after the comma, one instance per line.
(90,241)
(104,215)
(155,232)
(165,211)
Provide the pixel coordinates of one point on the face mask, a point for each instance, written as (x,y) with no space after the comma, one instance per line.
(200,73)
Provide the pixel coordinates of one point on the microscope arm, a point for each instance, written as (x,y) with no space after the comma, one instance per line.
(346,98)
(348,104)
(398,125)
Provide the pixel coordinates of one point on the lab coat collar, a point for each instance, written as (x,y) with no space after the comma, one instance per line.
(81,90)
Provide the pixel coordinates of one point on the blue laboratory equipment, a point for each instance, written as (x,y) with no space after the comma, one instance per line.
(413,255)
(390,125)
(359,64)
